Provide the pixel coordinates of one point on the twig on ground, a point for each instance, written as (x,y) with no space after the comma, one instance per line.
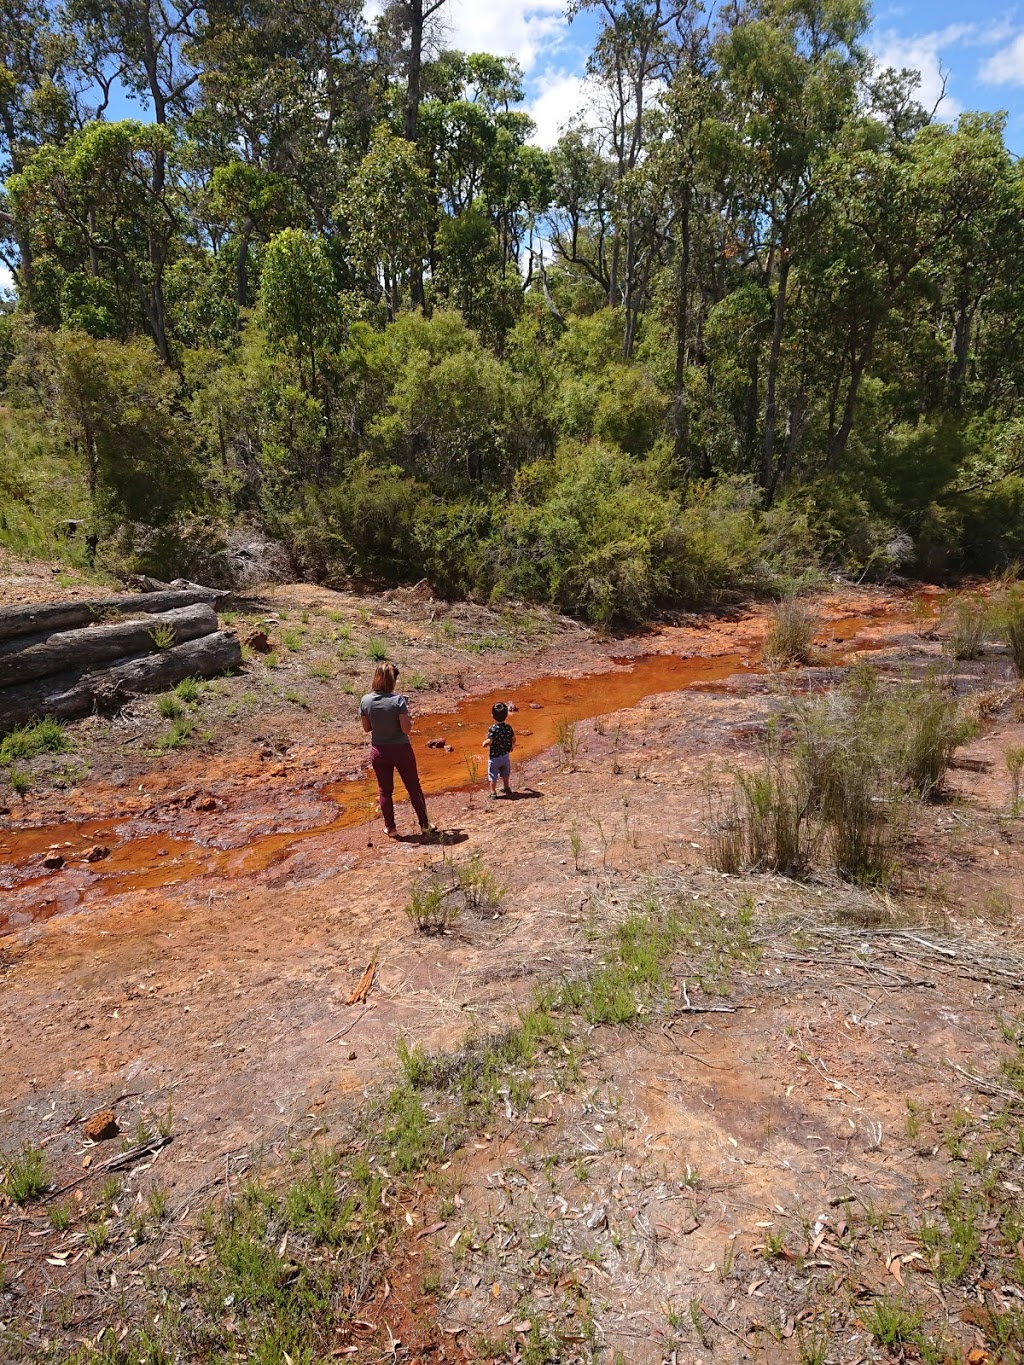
(341,1032)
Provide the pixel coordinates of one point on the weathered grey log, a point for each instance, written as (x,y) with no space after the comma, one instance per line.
(39,657)
(69,697)
(42,618)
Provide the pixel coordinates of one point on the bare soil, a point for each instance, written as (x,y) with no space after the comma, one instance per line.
(196,974)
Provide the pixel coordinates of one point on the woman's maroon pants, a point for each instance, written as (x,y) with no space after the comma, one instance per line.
(386,761)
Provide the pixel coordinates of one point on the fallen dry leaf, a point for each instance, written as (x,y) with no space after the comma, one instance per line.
(426,1232)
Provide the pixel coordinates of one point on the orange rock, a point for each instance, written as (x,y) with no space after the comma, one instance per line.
(101,1126)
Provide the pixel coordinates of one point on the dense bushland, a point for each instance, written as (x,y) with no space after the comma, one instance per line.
(328,289)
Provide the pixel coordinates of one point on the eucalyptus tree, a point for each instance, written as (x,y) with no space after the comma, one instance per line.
(40,103)
(389,215)
(635,55)
(104,198)
(791,72)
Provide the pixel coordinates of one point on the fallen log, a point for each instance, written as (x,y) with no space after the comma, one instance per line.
(75,695)
(40,657)
(41,618)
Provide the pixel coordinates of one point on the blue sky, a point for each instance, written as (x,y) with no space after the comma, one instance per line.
(978,49)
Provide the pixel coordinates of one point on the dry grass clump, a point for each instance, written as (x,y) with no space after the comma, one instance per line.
(842,793)
(446,889)
(967,628)
(1010,619)
(790,633)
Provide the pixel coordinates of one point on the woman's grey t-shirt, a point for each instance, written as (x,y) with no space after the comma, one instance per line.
(384,709)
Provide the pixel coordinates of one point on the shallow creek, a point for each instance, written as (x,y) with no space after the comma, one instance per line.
(166,845)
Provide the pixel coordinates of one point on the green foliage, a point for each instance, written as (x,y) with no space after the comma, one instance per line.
(25,1175)
(188,690)
(861,753)
(768,329)
(42,736)
(1010,617)
(790,633)
(966,628)
(431,907)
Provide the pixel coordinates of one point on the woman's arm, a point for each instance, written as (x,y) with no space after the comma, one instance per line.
(405,721)
(364,721)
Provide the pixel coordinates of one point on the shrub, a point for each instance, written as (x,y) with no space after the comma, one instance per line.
(860,754)
(26,1176)
(1011,620)
(790,633)
(364,524)
(967,628)
(432,907)
(586,533)
(482,892)
(764,827)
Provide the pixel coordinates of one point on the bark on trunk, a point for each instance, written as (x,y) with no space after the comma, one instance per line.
(771,378)
(39,657)
(680,408)
(41,619)
(70,696)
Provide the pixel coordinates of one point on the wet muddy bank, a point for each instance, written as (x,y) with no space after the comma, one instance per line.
(238,821)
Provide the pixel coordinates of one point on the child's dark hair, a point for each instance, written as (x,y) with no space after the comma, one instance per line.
(499,710)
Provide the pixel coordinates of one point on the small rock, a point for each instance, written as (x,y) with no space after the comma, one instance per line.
(435,743)
(97,853)
(536,706)
(598,1219)
(351,1056)
(449,749)
(101,1126)
(512,706)
(53,861)
(206,803)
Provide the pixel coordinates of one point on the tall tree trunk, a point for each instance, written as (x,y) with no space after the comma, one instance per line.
(771,379)
(242,270)
(680,408)
(837,446)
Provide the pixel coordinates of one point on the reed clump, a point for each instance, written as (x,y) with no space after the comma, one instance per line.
(790,634)
(840,793)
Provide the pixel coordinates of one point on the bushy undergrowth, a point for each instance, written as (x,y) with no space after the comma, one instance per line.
(840,794)
(1010,618)
(790,633)
(42,736)
(967,628)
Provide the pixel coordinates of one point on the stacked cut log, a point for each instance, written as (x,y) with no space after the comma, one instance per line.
(68,659)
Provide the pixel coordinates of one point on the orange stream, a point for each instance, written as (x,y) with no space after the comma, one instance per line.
(149,861)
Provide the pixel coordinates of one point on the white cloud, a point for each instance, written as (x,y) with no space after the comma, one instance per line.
(6,281)
(923,53)
(524,29)
(1005,67)
(559,96)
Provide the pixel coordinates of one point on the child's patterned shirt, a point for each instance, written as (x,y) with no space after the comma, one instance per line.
(501,738)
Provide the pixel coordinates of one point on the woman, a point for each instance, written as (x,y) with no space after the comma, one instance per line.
(385,718)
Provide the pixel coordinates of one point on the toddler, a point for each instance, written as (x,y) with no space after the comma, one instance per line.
(500,742)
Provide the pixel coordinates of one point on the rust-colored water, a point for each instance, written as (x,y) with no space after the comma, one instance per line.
(142,861)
